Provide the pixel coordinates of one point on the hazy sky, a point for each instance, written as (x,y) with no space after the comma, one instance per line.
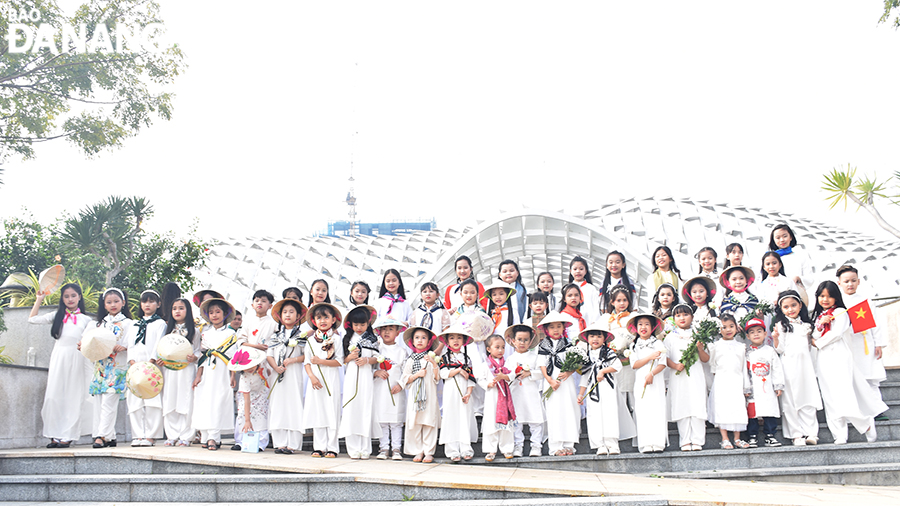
(455,110)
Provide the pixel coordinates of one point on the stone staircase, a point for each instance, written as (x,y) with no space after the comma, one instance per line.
(856,463)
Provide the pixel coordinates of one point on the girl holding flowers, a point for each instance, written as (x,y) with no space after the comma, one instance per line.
(458,428)
(285,354)
(563,412)
(322,361)
(360,351)
(389,403)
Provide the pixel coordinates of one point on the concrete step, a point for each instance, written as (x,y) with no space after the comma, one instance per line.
(893,411)
(677,461)
(890,390)
(317,488)
(851,474)
(893,374)
(627,500)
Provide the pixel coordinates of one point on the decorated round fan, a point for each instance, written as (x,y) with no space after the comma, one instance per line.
(51,279)
(478,324)
(144,379)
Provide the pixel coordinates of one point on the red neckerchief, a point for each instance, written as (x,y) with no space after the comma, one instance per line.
(574,313)
(497,315)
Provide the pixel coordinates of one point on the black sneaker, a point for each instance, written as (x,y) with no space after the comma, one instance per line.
(752,442)
(771,441)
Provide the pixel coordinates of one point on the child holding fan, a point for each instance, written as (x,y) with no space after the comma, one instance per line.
(145,415)
(213,386)
(66,402)
(108,382)
(178,394)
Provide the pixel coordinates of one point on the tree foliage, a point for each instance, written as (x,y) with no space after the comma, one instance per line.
(84,245)
(890,5)
(96,99)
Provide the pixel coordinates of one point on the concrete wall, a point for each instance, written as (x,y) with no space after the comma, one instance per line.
(20,336)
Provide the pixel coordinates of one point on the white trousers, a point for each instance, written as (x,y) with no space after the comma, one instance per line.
(420,439)
(357,444)
(178,426)
(215,435)
(555,446)
(839,427)
(283,438)
(106,407)
(504,440)
(146,423)
(325,439)
(457,449)
(799,423)
(537,434)
(391,437)
(691,431)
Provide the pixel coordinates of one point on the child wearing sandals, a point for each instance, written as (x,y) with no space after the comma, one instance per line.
(597,390)
(420,377)
(499,422)
(286,355)
(726,407)
(322,362)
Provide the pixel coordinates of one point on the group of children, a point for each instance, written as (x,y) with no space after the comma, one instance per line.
(418,376)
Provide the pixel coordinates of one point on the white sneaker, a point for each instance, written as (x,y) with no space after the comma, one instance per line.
(397,455)
(136,442)
(812,440)
(614,450)
(146,442)
(603,450)
(799,441)
(382,455)
(535,451)
(840,441)
(871,434)
(517,452)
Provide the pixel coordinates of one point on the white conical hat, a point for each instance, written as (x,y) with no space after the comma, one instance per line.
(51,278)
(173,349)
(144,379)
(97,343)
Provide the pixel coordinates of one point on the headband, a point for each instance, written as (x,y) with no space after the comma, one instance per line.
(680,305)
(670,285)
(121,294)
(154,292)
(789,296)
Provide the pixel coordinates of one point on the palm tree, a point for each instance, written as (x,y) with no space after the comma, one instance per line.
(841,187)
(109,230)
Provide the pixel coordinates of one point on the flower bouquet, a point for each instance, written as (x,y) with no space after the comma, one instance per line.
(763,308)
(385,364)
(705,331)
(576,358)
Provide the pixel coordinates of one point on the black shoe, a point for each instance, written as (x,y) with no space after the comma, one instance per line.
(101,443)
(771,441)
(753,442)
(236,447)
(53,444)
(882,417)
(111,444)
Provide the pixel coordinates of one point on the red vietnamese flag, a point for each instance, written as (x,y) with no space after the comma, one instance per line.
(861,317)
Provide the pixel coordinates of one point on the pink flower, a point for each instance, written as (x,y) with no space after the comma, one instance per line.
(242,357)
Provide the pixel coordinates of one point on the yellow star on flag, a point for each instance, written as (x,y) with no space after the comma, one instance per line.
(861,313)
